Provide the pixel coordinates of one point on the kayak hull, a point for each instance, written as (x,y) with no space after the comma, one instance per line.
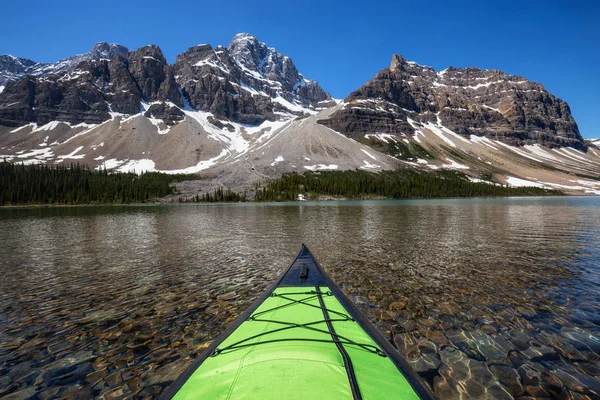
(302,339)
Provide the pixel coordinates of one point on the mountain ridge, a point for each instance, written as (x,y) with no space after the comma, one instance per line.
(13,68)
(469,101)
(236,86)
(243,113)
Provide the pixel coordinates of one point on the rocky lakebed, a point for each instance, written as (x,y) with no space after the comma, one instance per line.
(117,302)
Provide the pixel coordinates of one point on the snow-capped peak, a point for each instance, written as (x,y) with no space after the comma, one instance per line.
(14,68)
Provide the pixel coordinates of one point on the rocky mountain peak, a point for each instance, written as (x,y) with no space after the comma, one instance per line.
(194,54)
(14,64)
(255,56)
(246,82)
(397,62)
(467,101)
(13,68)
(151,52)
(103,50)
(248,51)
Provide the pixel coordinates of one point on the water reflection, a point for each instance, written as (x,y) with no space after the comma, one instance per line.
(495,297)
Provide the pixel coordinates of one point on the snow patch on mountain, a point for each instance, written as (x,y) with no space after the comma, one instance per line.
(321,167)
(73,155)
(518,182)
(277,160)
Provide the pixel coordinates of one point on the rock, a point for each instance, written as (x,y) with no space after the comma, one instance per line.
(589,368)
(114,378)
(397,305)
(529,375)
(509,377)
(169,115)
(5,380)
(79,373)
(537,391)
(93,377)
(438,338)
(493,348)
(124,96)
(489,329)
(582,340)
(498,391)
(462,377)
(519,339)
(538,352)
(165,374)
(74,367)
(361,301)
(419,352)
(59,346)
(517,359)
(7,389)
(228,296)
(578,382)
(19,371)
(385,316)
(51,393)
(444,389)
(116,393)
(407,325)
(26,393)
(481,346)
(246,50)
(464,343)
(149,392)
(425,362)
(553,385)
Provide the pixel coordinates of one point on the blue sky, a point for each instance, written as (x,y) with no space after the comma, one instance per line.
(342,44)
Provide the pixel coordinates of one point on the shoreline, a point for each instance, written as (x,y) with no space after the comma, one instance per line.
(322,200)
(7,206)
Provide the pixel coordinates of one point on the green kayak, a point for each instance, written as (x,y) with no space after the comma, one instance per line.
(302,339)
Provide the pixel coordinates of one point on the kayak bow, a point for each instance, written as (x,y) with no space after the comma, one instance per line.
(302,339)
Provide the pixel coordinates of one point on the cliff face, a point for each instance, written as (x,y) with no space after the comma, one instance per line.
(468,101)
(246,82)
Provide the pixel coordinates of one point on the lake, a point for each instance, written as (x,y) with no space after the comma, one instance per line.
(494,298)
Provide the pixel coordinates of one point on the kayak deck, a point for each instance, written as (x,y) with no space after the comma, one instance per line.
(298,341)
(286,351)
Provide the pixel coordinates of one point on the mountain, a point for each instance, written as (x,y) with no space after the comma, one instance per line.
(244,113)
(468,101)
(247,82)
(14,68)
